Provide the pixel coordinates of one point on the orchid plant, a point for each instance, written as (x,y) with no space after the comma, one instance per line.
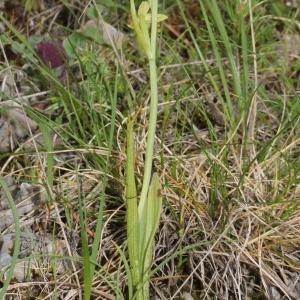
(143,215)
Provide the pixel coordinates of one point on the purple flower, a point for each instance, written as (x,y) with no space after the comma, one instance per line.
(51,54)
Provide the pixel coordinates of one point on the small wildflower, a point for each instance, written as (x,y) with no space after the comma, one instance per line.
(141,22)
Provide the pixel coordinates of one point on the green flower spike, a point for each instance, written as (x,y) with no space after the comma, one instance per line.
(141,22)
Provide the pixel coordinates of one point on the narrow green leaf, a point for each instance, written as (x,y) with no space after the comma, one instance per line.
(152,216)
(87,276)
(132,209)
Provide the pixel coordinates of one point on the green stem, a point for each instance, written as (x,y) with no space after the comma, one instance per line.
(153,113)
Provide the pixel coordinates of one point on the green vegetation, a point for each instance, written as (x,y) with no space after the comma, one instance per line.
(168,150)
